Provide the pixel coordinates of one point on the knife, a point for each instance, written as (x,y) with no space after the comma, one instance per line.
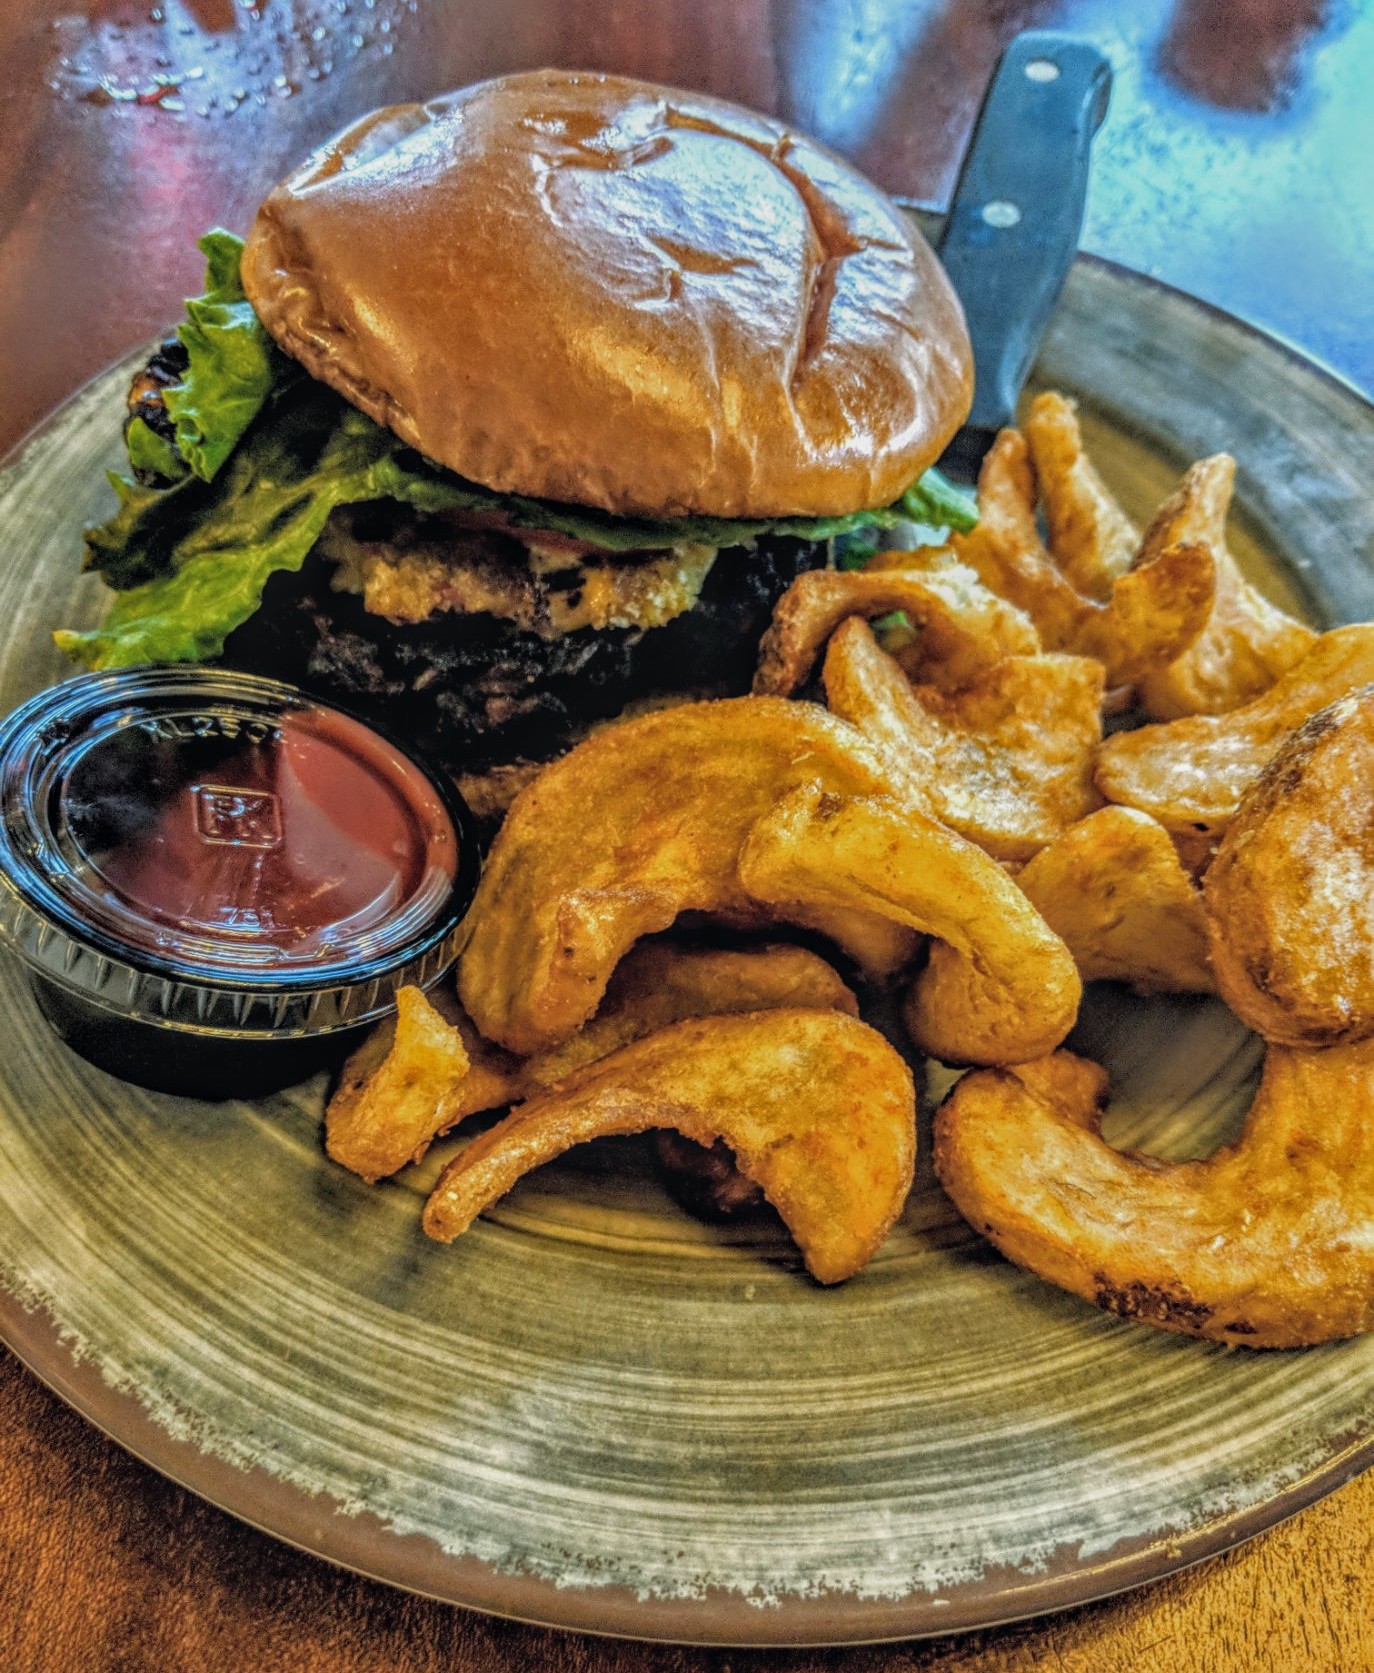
(1015,218)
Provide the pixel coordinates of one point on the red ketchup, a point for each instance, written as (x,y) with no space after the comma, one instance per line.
(284,851)
(216,882)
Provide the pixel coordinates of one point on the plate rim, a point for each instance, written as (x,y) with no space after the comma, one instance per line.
(324,1529)
(613,1611)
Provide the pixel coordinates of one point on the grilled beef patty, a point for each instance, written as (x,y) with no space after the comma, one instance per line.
(477,691)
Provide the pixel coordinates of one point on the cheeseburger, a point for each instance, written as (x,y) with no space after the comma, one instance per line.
(524,405)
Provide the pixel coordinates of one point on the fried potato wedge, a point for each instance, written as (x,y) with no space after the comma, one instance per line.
(1265,1244)
(395,1091)
(1006,760)
(1091,538)
(1113,889)
(1290,895)
(818,1109)
(1247,642)
(999,985)
(658,983)
(637,825)
(1005,549)
(407,1084)
(1154,608)
(1153,613)
(1191,774)
(961,626)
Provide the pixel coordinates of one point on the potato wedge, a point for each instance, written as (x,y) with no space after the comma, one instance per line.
(637,825)
(396,1091)
(1191,774)
(1247,642)
(962,627)
(1005,549)
(1113,889)
(1006,760)
(1154,608)
(999,986)
(406,1084)
(1290,895)
(1153,613)
(1092,540)
(659,983)
(1265,1244)
(816,1106)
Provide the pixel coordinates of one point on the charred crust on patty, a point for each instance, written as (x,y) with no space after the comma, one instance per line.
(480,692)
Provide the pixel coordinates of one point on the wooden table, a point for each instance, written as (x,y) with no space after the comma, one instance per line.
(1234,164)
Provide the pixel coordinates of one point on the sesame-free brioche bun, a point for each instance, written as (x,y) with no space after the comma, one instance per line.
(589,289)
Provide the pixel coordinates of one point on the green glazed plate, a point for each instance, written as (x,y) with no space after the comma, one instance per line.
(594,1412)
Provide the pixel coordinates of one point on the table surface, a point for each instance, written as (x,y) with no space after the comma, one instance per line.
(1234,163)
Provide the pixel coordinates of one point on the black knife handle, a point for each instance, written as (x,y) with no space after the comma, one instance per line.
(1018,207)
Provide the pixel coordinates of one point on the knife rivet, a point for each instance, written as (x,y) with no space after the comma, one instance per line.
(1000,213)
(1042,69)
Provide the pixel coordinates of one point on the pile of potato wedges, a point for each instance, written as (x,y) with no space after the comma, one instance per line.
(1055,750)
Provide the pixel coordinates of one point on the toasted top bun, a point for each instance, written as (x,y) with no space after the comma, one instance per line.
(590,289)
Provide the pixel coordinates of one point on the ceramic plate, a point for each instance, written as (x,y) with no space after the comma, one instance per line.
(592,1411)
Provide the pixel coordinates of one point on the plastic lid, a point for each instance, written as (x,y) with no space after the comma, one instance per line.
(224,853)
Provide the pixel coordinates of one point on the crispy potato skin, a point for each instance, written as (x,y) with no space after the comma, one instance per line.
(1266,1244)
(963,627)
(1290,895)
(998,987)
(634,827)
(1113,887)
(1006,760)
(816,1106)
(1191,774)
(1247,642)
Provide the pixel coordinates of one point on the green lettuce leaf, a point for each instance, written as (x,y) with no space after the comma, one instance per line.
(149,451)
(429,487)
(192,560)
(233,363)
(932,499)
